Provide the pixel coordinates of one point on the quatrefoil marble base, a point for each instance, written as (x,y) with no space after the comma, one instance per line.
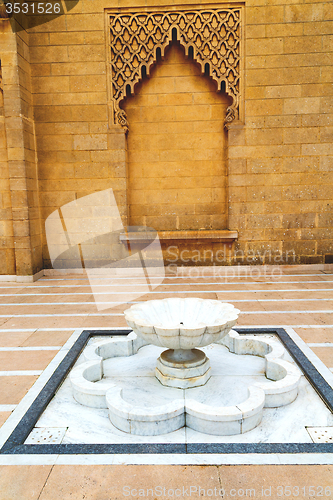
(229,404)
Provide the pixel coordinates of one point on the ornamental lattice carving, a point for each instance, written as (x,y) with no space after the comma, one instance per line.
(213,37)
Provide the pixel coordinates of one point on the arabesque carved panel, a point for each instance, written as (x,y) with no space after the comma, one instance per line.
(211,35)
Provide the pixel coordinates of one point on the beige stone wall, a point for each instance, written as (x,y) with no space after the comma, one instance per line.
(7,259)
(281,162)
(70,105)
(25,228)
(24,170)
(280,167)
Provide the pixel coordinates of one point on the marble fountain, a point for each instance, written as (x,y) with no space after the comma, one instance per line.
(145,397)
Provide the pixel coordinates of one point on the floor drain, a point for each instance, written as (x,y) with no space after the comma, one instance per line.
(46,435)
(321,434)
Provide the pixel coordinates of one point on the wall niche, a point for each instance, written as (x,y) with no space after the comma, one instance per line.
(176,147)
(174,90)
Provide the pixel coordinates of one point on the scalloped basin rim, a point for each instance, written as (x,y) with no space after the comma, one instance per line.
(185,329)
(193,321)
(228,311)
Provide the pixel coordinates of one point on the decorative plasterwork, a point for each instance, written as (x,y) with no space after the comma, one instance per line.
(212,36)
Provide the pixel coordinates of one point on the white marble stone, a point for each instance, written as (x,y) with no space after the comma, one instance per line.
(118,405)
(181,323)
(251,422)
(281,399)
(224,427)
(168,459)
(221,360)
(213,414)
(114,347)
(224,391)
(121,423)
(268,347)
(280,369)
(28,459)
(253,404)
(283,390)
(46,435)
(147,390)
(180,382)
(92,425)
(306,459)
(141,409)
(321,434)
(241,417)
(228,340)
(142,364)
(90,352)
(210,459)
(201,411)
(183,368)
(285,424)
(85,390)
(252,346)
(274,370)
(148,428)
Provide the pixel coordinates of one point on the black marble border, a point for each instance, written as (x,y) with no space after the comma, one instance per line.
(14,444)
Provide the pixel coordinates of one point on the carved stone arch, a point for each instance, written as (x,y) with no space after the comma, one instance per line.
(213,34)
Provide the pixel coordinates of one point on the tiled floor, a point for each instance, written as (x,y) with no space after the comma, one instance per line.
(36,320)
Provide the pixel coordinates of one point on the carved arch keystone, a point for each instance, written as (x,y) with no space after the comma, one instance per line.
(212,34)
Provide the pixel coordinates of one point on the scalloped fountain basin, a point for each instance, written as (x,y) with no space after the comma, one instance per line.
(182,324)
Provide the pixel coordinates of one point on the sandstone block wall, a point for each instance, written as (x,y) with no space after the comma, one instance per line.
(281,162)
(23,245)
(60,143)
(7,257)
